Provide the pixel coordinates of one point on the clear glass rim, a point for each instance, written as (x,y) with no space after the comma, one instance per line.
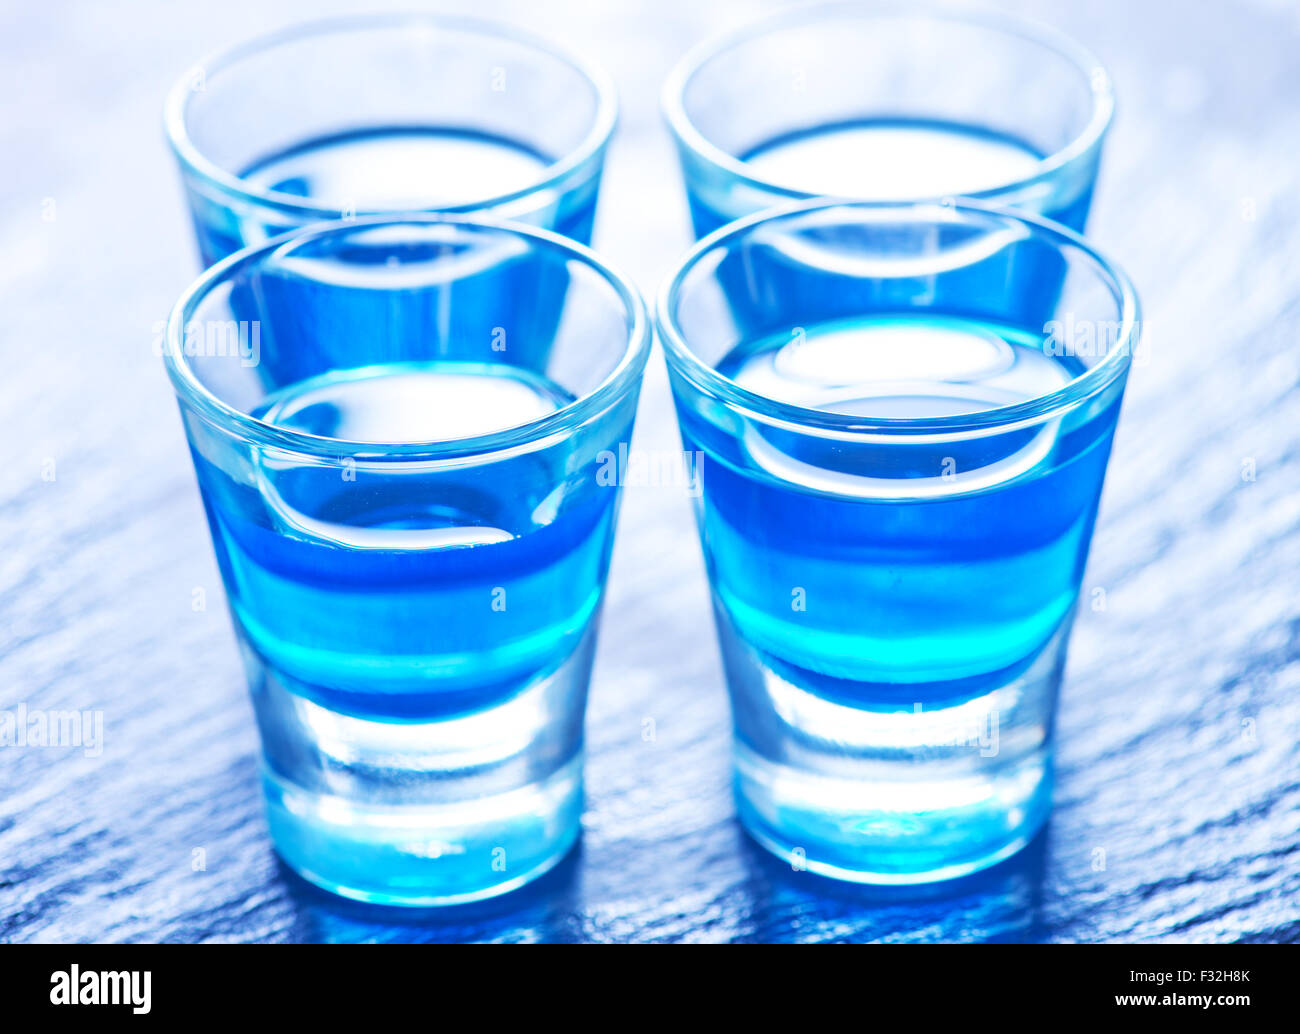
(193,159)
(682,358)
(193,393)
(1093,72)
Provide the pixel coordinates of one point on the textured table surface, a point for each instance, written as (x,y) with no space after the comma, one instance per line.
(1178,806)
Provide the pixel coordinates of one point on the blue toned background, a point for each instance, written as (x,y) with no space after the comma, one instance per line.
(1178,804)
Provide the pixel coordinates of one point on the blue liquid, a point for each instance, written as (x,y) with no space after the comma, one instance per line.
(887,159)
(411,595)
(923,571)
(418,636)
(893,618)
(392,169)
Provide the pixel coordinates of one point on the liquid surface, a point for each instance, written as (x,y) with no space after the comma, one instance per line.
(400,168)
(893,161)
(415,402)
(899,367)
(396,169)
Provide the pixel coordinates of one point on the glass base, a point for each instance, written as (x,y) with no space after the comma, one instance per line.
(878,790)
(436,811)
(420,856)
(867,831)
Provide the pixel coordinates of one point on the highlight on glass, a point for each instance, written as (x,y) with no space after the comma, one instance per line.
(904,439)
(397,427)
(388,114)
(888,102)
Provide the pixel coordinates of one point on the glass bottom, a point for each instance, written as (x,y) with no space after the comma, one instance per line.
(834,827)
(435,811)
(897,793)
(424,857)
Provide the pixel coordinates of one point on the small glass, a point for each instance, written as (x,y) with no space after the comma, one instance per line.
(388,114)
(399,430)
(888,102)
(901,455)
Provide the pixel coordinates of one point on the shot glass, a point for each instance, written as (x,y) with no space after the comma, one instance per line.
(888,102)
(388,114)
(413,534)
(901,466)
